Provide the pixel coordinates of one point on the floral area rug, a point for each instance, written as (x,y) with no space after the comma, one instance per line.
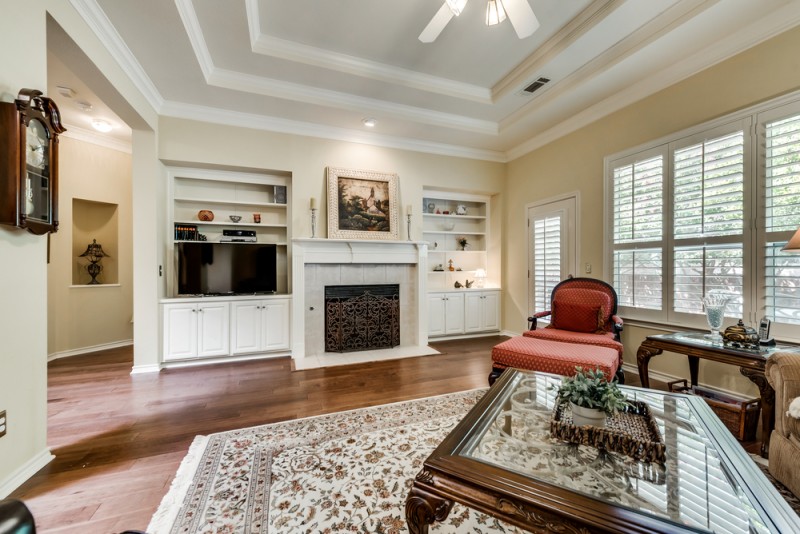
(343,472)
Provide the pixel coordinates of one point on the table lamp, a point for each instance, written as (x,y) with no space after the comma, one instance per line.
(94,253)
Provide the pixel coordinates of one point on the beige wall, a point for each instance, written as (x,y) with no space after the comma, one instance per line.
(575,162)
(81,317)
(23,277)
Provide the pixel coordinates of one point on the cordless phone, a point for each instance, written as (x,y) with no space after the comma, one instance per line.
(763,332)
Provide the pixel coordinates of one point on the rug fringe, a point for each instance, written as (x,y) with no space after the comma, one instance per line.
(167,512)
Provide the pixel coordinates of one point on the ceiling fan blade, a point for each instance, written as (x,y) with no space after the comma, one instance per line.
(437,24)
(521,16)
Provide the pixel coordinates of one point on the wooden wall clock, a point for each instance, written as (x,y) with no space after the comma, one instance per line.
(29,129)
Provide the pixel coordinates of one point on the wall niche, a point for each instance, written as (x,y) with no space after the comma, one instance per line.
(95,221)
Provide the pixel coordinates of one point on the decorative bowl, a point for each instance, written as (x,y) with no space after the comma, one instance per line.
(235,218)
(205,215)
(448,226)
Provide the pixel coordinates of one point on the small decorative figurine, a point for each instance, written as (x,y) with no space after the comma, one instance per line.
(450,265)
(457,285)
(469,284)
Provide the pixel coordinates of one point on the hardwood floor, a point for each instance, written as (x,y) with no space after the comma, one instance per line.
(118,439)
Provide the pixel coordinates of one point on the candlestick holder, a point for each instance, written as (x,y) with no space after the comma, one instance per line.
(408,215)
(313,222)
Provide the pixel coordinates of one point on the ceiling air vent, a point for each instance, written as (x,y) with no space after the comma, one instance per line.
(535,86)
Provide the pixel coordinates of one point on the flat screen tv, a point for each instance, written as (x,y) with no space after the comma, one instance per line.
(226,268)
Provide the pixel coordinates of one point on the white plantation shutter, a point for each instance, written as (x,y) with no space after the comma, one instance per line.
(638,202)
(546,259)
(637,231)
(782,219)
(708,205)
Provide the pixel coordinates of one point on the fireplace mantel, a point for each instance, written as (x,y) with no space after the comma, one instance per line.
(309,251)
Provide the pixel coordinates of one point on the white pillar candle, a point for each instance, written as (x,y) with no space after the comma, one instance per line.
(313,203)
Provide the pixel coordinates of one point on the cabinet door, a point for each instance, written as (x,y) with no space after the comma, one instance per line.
(473,312)
(180,332)
(246,327)
(436,304)
(454,313)
(275,316)
(212,325)
(491,310)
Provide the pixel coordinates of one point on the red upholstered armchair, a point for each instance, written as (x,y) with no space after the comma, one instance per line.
(583,313)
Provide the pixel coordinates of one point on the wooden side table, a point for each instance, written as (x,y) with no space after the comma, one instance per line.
(751,363)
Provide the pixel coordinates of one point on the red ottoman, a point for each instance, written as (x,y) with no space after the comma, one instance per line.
(548,356)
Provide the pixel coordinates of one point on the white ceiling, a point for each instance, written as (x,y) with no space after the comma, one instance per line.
(318,67)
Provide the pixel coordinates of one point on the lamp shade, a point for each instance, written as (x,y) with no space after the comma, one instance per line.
(94,250)
(794,243)
(480,277)
(495,14)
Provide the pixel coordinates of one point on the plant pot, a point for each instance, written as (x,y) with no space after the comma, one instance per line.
(587,416)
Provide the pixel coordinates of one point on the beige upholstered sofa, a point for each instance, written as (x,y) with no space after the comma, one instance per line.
(783,373)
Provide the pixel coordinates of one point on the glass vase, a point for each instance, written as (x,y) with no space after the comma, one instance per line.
(714,303)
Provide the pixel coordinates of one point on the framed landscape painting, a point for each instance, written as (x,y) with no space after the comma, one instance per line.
(362,204)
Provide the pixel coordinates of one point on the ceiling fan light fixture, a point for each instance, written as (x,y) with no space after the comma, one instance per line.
(495,14)
(456,6)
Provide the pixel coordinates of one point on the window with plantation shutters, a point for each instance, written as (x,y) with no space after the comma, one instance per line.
(782,218)
(708,213)
(637,228)
(713,213)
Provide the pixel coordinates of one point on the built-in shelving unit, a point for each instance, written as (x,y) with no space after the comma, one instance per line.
(229,326)
(226,193)
(447,217)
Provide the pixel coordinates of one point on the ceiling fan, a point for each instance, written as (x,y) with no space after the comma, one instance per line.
(519,12)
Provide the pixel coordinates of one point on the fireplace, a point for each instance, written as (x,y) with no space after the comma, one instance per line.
(362,317)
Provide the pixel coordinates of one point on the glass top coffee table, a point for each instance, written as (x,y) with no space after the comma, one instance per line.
(501,460)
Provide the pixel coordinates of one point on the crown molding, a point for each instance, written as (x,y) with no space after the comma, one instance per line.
(531,67)
(317,57)
(777,22)
(98,22)
(259,122)
(88,136)
(311,95)
(239,81)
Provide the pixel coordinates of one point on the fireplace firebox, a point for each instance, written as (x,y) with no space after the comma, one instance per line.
(362,317)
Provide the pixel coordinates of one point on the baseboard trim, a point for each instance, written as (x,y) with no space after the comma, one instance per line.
(663,377)
(87,350)
(21,475)
(464,336)
(142,369)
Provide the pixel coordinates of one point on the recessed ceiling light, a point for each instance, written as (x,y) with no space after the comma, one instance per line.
(84,105)
(101,126)
(369,123)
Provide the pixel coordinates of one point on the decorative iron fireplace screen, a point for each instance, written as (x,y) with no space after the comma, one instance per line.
(362,317)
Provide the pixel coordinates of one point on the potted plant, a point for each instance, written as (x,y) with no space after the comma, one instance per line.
(591,397)
(462,242)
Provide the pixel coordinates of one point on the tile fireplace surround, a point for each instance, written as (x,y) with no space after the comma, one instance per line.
(320,262)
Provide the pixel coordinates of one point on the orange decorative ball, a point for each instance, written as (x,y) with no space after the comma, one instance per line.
(205,215)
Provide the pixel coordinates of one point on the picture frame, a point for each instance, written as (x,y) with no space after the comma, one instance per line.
(362,204)
(279,194)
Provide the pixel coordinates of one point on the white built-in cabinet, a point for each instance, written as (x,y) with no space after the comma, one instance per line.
(445,314)
(481,311)
(453,313)
(196,330)
(259,326)
(217,327)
